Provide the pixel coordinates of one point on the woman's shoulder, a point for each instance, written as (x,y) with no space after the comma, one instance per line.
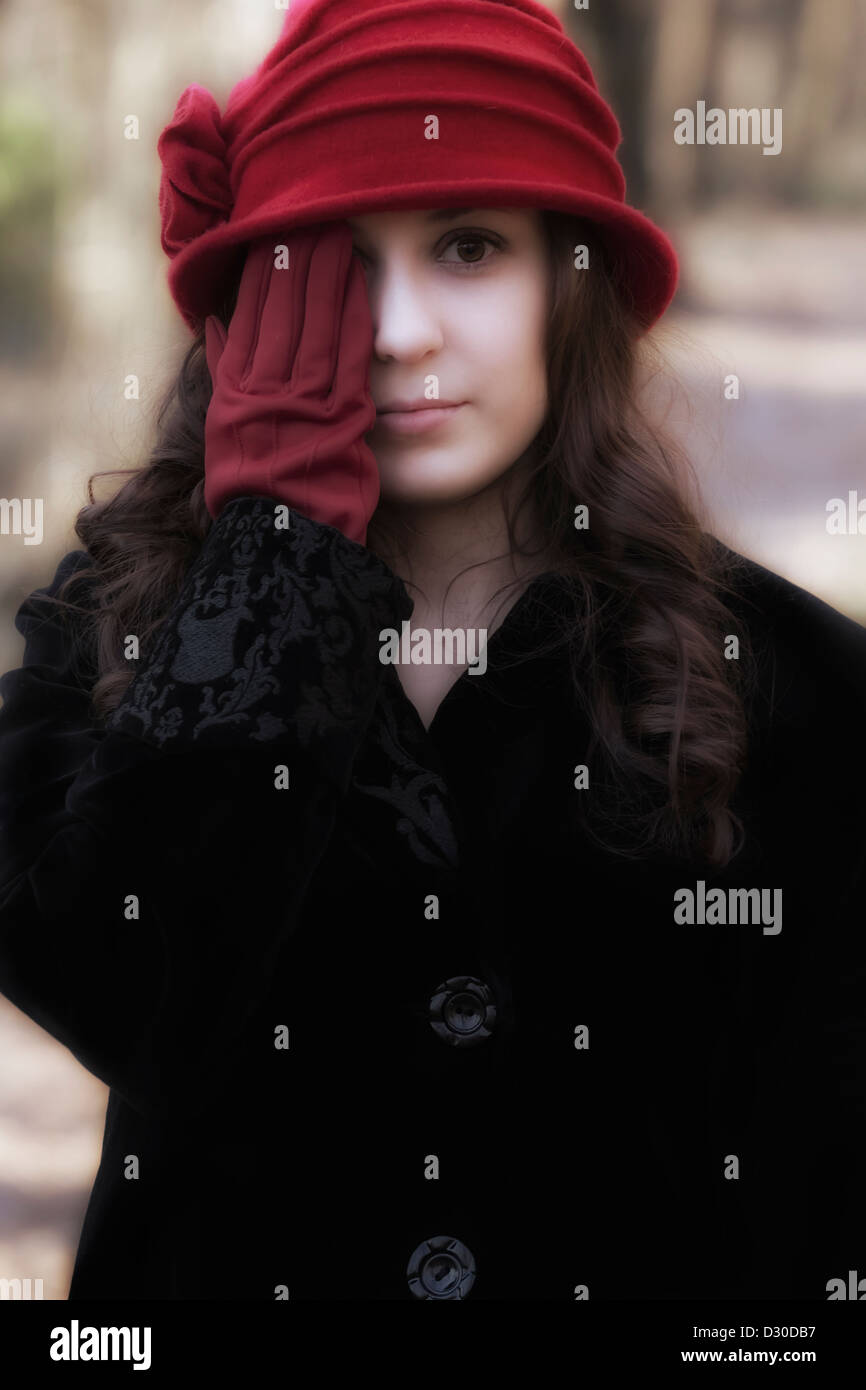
(813,654)
(57,637)
(34,609)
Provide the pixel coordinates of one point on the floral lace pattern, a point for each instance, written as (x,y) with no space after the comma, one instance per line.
(275,632)
(389,769)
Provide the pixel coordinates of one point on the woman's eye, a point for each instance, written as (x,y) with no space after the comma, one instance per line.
(469,247)
(474,241)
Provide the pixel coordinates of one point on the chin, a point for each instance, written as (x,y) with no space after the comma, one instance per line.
(413,483)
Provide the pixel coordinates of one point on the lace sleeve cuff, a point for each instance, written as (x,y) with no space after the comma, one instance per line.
(275,635)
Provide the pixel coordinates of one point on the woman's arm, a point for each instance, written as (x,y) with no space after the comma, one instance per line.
(152,871)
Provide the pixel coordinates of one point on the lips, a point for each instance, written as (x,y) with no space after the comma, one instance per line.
(420,419)
(406,407)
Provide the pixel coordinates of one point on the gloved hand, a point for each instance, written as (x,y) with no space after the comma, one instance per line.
(291,403)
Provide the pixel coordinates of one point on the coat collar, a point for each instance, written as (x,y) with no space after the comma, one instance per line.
(528,671)
(468,775)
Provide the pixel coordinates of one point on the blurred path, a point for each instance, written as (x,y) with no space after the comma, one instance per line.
(51,1118)
(781,303)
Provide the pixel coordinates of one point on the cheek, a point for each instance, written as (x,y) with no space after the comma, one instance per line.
(508,344)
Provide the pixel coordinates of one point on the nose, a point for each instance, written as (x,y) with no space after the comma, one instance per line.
(406,324)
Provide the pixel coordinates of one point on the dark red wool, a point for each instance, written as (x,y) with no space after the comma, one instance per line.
(336,121)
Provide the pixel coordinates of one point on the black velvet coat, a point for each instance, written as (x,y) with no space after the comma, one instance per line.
(396,1029)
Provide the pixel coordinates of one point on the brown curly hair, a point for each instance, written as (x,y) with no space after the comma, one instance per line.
(668,712)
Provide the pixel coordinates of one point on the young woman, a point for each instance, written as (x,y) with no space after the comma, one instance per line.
(532,973)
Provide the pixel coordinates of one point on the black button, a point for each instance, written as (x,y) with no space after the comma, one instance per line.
(462,1011)
(441,1267)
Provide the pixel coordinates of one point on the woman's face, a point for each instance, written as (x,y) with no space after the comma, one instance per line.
(459,305)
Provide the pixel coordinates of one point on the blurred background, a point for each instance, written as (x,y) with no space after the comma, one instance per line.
(773,290)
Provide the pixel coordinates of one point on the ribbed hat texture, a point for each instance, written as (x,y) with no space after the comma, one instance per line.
(391,105)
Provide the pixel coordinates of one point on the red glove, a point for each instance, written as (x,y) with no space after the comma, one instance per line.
(291,404)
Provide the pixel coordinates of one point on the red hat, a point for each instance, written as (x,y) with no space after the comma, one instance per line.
(392,105)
